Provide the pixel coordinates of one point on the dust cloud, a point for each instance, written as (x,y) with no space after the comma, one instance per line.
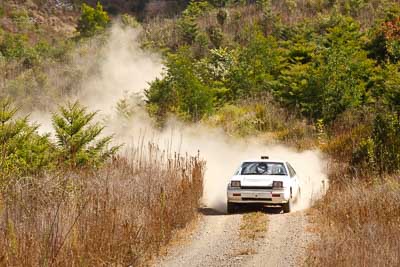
(224,155)
(126,69)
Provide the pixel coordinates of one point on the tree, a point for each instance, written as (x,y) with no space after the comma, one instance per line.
(381,150)
(76,137)
(22,150)
(187,24)
(180,90)
(259,65)
(327,74)
(344,71)
(92,20)
(222,15)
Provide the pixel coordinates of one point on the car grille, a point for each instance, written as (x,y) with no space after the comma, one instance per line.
(257,199)
(257,187)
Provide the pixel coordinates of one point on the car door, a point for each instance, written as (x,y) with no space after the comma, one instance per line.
(293,179)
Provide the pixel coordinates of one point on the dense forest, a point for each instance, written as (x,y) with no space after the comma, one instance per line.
(313,73)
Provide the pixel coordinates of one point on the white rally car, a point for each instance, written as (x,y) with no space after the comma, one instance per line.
(263,182)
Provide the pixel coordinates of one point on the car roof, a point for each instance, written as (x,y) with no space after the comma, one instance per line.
(265,160)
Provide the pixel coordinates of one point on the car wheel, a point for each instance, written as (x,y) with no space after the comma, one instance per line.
(230,208)
(287,207)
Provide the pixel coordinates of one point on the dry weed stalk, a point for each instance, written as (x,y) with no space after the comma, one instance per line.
(120,214)
(359,225)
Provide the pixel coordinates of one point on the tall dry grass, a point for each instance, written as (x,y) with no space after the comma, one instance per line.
(359,225)
(119,215)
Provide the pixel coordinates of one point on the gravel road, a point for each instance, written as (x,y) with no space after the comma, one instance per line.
(216,242)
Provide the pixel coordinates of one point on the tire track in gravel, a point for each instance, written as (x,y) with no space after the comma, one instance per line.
(285,243)
(216,242)
(211,244)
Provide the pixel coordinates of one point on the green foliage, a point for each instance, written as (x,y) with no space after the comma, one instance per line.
(130,21)
(345,71)
(21,18)
(222,15)
(218,65)
(14,46)
(196,8)
(187,24)
(188,29)
(129,106)
(259,63)
(329,76)
(386,142)
(381,151)
(392,87)
(76,138)
(180,91)
(22,150)
(215,35)
(92,20)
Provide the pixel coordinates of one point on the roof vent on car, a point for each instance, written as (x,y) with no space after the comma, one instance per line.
(264,157)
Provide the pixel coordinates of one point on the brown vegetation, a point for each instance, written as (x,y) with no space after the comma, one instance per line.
(119,215)
(253,225)
(359,225)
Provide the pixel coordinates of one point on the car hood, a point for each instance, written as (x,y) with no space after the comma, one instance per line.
(258,180)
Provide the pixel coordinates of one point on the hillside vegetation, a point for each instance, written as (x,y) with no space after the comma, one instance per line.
(310,73)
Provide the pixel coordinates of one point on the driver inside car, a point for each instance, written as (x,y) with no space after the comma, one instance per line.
(261,168)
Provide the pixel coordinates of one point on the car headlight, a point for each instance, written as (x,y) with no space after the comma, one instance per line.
(235,184)
(277,184)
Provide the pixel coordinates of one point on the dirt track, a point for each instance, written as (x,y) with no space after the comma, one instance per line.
(216,242)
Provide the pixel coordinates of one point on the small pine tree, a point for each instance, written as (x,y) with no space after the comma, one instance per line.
(76,137)
(22,150)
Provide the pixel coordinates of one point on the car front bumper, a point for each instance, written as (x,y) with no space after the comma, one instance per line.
(257,196)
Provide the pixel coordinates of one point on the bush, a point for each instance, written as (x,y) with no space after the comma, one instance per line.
(187,24)
(380,152)
(222,15)
(215,35)
(76,138)
(130,21)
(180,90)
(92,20)
(22,150)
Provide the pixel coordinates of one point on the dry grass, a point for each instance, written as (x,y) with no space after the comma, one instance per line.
(244,252)
(118,216)
(359,225)
(253,226)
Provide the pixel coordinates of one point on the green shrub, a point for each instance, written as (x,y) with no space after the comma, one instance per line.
(130,21)
(22,150)
(188,30)
(187,24)
(181,90)
(381,151)
(76,138)
(21,18)
(222,15)
(259,64)
(14,46)
(92,20)
(216,36)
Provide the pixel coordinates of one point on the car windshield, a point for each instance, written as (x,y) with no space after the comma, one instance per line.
(263,168)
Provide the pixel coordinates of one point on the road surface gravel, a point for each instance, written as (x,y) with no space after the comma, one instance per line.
(216,242)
